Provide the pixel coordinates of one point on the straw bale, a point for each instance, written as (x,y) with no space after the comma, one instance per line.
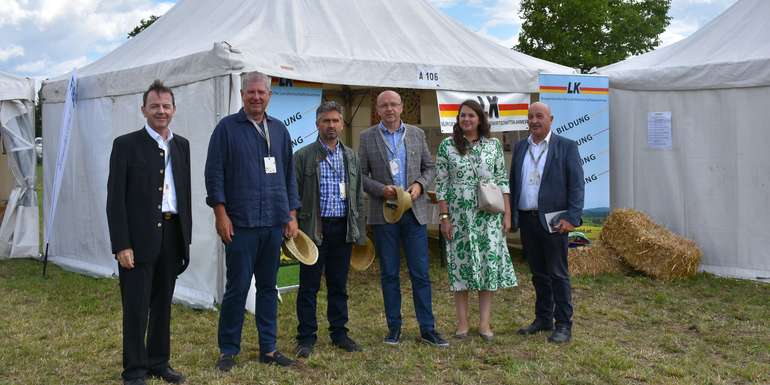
(649,247)
(595,260)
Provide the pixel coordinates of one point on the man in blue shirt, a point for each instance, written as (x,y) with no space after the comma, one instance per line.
(394,154)
(330,188)
(251,187)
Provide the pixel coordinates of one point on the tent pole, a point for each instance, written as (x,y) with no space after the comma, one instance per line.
(45,259)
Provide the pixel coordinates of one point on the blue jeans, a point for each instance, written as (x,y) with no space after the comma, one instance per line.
(388,240)
(252,252)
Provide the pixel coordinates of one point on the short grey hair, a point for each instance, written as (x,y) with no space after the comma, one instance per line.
(254,77)
(328,106)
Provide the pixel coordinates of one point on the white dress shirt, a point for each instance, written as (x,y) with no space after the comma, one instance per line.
(169,191)
(532,172)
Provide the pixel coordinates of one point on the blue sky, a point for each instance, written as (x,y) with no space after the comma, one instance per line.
(45,38)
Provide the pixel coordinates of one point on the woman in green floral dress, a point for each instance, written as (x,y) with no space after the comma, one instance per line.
(477,252)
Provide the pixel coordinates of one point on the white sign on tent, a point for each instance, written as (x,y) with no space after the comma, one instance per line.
(506,111)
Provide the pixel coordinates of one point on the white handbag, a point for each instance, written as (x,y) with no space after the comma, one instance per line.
(489,196)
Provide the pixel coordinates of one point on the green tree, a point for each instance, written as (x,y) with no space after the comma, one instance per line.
(591,33)
(143,24)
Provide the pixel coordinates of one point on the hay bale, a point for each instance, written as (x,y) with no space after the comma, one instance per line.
(649,247)
(594,260)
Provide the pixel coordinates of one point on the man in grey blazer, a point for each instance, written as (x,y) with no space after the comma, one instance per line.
(547,179)
(395,154)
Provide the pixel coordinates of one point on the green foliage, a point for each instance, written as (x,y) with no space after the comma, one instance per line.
(143,24)
(591,33)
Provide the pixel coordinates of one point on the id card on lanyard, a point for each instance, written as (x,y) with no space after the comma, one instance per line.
(393,163)
(270,166)
(340,185)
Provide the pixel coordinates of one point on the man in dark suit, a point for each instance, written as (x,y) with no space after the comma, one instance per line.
(150,220)
(547,188)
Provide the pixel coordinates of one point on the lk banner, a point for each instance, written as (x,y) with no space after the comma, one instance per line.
(506,111)
(580,108)
(295,107)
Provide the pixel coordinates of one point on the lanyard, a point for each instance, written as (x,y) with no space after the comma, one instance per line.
(263,133)
(331,165)
(393,152)
(536,161)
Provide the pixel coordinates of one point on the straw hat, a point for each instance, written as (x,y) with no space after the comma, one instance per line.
(301,248)
(392,210)
(362,256)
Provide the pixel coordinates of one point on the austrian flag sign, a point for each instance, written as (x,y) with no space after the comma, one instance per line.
(506,111)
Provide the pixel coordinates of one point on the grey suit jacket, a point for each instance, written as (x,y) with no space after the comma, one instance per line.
(420,167)
(561,185)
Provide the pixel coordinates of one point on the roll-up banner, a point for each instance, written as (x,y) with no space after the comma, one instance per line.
(580,108)
(295,107)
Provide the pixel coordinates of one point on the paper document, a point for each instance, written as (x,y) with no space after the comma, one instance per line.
(554,215)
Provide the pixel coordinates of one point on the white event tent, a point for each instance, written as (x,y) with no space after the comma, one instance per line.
(200,48)
(713,185)
(19,228)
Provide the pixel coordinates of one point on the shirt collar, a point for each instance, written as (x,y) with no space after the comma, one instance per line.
(384,130)
(330,150)
(156,136)
(547,139)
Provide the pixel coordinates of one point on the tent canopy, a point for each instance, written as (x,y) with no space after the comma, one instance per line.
(357,43)
(729,52)
(713,184)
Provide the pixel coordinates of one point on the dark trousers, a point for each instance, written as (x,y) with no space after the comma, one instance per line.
(388,240)
(253,252)
(334,263)
(146,292)
(546,254)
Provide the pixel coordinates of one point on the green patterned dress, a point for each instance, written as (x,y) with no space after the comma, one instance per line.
(477,255)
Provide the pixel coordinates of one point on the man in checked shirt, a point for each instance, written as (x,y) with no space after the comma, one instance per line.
(331,193)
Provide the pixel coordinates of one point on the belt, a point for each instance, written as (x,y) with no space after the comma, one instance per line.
(169,216)
(334,219)
(533,213)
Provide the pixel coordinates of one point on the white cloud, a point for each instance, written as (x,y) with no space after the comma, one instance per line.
(11,52)
(54,35)
(11,12)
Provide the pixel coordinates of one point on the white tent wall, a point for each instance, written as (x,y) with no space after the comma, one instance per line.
(80,240)
(713,186)
(19,228)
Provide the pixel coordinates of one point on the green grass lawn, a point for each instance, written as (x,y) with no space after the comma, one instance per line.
(628,330)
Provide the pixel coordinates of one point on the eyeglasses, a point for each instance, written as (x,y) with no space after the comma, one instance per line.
(386,105)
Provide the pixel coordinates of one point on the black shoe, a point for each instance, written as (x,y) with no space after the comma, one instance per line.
(433,338)
(276,359)
(135,381)
(393,337)
(168,374)
(304,350)
(347,344)
(561,335)
(535,327)
(225,362)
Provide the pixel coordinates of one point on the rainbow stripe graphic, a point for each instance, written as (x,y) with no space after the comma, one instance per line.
(583,90)
(450,110)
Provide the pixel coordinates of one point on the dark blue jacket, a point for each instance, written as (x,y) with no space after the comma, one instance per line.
(561,186)
(235,172)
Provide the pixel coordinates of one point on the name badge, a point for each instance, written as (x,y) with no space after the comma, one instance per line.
(394,167)
(270,167)
(343,191)
(534,178)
